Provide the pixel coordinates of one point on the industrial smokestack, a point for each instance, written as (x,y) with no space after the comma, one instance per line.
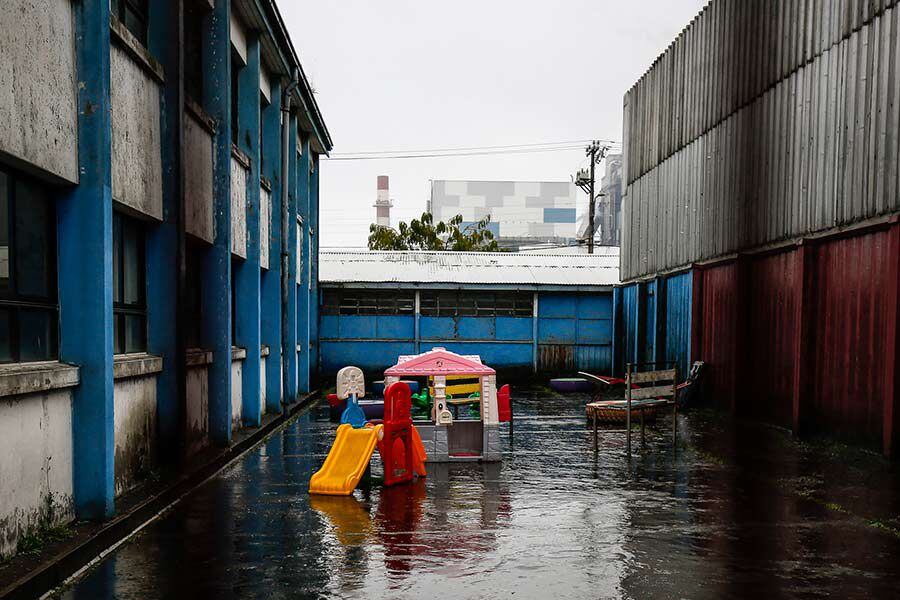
(383,203)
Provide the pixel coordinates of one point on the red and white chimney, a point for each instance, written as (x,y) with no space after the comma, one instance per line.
(383,203)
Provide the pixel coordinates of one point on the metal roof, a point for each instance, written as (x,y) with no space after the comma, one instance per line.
(468,268)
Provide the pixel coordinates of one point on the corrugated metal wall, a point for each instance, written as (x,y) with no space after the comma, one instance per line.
(762,122)
(848,357)
(764,131)
(647,315)
(654,323)
(719,341)
(630,318)
(677,326)
(773,332)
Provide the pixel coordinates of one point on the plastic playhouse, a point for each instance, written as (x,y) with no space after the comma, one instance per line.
(397,440)
(460,428)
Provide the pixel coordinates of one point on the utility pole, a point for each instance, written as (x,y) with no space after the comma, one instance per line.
(596,153)
(592,152)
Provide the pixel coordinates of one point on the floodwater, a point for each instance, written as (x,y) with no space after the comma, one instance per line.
(736,511)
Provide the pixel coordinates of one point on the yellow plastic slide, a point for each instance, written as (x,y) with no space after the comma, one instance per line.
(346,461)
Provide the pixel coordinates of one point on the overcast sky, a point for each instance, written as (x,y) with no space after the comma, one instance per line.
(421,74)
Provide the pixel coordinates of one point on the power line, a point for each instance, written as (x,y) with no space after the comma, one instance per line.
(462,148)
(455,154)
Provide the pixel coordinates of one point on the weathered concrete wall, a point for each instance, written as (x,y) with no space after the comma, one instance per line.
(238,208)
(35,464)
(198,179)
(136,158)
(237,380)
(38,93)
(135,430)
(197,435)
(265,217)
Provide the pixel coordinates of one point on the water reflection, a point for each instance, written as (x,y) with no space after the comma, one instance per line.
(735,510)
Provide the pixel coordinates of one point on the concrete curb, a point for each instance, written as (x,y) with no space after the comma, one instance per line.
(55,572)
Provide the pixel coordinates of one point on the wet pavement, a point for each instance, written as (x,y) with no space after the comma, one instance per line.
(736,511)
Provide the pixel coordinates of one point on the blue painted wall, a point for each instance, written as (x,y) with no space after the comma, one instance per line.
(575,332)
(647,313)
(653,322)
(576,327)
(630,320)
(84,227)
(677,341)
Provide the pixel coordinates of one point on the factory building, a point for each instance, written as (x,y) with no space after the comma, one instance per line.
(108,174)
(521,212)
(761,223)
(529,312)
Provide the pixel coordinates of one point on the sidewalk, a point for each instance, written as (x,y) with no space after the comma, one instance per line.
(32,575)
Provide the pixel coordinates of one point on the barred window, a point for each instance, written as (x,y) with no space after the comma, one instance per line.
(476,304)
(368,302)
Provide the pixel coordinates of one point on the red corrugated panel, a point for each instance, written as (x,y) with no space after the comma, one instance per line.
(774,291)
(719,334)
(850,334)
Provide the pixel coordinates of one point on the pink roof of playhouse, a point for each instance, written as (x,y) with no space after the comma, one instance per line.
(438,362)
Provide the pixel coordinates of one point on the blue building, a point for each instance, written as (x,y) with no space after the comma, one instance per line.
(540,312)
(148,191)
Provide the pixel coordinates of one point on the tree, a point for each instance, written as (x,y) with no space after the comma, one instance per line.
(424,234)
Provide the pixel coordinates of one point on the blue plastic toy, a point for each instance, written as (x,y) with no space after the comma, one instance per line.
(353,414)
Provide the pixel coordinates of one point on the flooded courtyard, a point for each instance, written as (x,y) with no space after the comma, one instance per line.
(736,510)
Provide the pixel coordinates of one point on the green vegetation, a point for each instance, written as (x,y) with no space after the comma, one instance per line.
(425,234)
(34,542)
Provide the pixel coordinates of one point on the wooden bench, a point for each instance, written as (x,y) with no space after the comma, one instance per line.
(644,391)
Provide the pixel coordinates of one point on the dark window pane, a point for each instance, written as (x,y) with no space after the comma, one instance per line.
(133,265)
(524,305)
(485,305)
(428,303)
(37,334)
(117,258)
(349,305)
(33,251)
(193,51)
(136,24)
(5,336)
(4,232)
(368,305)
(193,270)
(135,333)
(118,333)
(406,305)
(466,306)
(235,96)
(505,305)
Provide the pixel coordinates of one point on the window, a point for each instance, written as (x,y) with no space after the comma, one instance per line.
(193,259)
(132,14)
(29,312)
(236,66)
(193,50)
(235,265)
(129,286)
(368,302)
(476,304)
(263,105)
